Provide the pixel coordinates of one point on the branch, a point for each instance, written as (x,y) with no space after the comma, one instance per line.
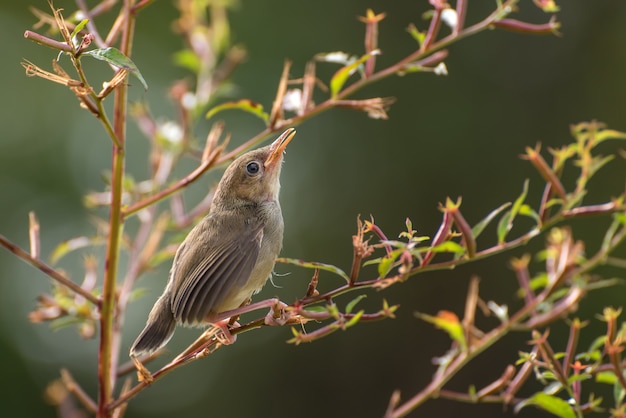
(109,333)
(52,273)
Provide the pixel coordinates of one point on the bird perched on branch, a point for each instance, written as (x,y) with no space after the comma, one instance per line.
(229,255)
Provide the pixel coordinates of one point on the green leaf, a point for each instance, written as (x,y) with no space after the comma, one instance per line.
(137,294)
(353,320)
(246,105)
(416,34)
(115,57)
(605,134)
(386,263)
(342,75)
(597,163)
(578,378)
(314,265)
(316,309)
(607,241)
(606,377)
(448,247)
(449,322)
(506,222)
(552,404)
(353,303)
(480,226)
(187,59)
(79,27)
(526,210)
(73,244)
(597,344)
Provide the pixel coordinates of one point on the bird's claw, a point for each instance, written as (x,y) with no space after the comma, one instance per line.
(277,315)
(225,337)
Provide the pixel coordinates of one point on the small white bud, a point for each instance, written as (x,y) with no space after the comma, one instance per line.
(338,57)
(189,101)
(172,132)
(449,17)
(292,101)
(500,311)
(441,69)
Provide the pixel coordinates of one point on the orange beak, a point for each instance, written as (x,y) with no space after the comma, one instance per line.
(278,147)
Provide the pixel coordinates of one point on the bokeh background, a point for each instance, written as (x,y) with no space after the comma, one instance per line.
(446,136)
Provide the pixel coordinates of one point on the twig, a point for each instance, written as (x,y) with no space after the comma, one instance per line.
(182,183)
(45,41)
(77,391)
(52,273)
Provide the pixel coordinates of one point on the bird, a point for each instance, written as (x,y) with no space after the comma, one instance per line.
(229,255)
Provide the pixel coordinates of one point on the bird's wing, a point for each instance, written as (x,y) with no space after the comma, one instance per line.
(204,273)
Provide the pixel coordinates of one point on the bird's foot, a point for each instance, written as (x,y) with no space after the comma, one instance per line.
(225,337)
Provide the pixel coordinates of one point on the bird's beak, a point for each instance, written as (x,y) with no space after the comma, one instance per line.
(278,147)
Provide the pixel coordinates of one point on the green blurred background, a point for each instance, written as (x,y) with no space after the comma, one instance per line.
(446,136)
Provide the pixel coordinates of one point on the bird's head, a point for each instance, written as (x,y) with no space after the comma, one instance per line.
(254,176)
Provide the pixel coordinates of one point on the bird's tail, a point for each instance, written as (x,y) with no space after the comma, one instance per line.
(158,330)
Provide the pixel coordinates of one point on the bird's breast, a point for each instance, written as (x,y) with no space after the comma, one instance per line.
(271,243)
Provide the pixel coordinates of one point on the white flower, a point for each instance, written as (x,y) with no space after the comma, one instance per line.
(292,101)
(338,57)
(189,101)
(172,132)
(441,69)
(449,17)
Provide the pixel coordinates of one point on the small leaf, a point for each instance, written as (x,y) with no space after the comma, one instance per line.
(578,378)
(540,281)
(73,244)
(597,344)
(597,163)
(448,247)
(480,226)
(506,222)
(416,34)
(552,404)
(394,243)
(342,75)
(353,320)
(605,134)
(314,265)
(353,303)
(115,57)
(246,105)
(137,294)
(79,27)
(386,263)
(316,309)
(186,58)
(526,210)
(449,322)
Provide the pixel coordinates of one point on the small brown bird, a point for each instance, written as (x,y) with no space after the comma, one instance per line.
(229,255)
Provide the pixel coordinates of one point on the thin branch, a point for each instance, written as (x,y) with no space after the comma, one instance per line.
(211,161)
(77,391)
(52,273)
(45,41)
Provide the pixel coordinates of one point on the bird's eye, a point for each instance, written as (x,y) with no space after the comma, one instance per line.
(253,168)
